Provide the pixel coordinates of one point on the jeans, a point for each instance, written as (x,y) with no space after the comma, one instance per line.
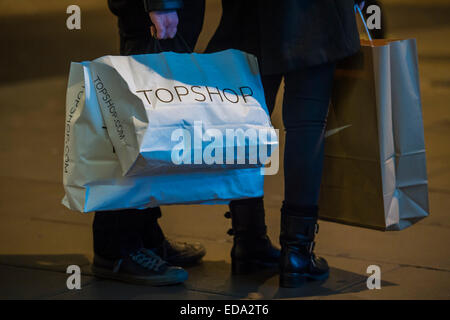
(118,233)
(306,99)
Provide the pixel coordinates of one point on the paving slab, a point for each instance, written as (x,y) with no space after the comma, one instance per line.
(214,276)
(49,262)
(28,283)
(401,284)
(212,279)
(104,290)
(418,245)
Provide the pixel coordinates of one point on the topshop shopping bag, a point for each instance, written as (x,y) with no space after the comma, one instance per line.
(172,112)
(375,170)
(93,178)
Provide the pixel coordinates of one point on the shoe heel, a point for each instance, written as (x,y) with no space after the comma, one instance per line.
(243,267)
(292,280)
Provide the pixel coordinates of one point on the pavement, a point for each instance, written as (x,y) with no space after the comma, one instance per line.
(39,237)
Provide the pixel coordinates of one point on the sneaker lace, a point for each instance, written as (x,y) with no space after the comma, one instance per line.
(148,259)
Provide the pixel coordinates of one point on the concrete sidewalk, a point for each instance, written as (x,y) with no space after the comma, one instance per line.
(39,238)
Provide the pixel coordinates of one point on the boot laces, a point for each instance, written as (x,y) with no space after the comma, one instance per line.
(148,259)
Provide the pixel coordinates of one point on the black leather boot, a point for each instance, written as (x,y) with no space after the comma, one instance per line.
(252,249)
(298,262)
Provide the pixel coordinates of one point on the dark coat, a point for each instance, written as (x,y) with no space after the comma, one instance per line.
(287,35)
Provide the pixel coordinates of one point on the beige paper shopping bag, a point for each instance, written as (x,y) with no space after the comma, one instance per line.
(375,169)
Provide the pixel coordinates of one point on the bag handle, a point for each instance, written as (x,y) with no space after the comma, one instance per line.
(184,42)
(178,36)
(358,10)
(157,45)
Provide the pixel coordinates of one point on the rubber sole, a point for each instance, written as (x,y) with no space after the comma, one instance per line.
(156,281)
(295,280)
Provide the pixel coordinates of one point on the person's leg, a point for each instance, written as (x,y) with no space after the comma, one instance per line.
(305,109)
(117,233)
(252,249)
(271,84)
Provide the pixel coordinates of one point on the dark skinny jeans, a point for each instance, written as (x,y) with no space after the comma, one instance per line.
(305,108)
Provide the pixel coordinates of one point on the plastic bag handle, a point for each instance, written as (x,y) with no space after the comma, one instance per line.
(178,36)
(358,10)
(184,42)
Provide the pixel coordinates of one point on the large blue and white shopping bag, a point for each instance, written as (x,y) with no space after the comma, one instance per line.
(167,128)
